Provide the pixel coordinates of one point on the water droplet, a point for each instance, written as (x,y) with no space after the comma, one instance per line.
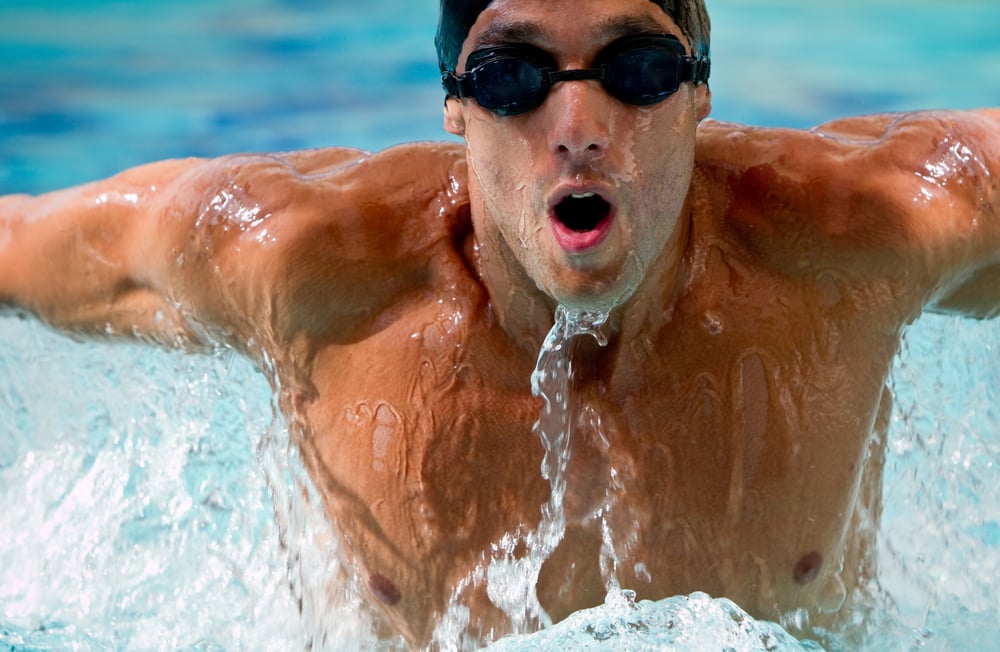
(712,323)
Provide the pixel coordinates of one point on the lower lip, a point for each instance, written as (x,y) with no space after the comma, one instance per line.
(580,242)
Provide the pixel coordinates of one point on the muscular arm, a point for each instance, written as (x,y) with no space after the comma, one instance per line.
(908,200)
(240,249)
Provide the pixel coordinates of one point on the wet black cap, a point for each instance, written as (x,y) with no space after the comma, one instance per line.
(458,16)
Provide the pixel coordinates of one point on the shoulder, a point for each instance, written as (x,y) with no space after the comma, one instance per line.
(875,184)
(383,209)
(338,182)
(362,199)
(907,138)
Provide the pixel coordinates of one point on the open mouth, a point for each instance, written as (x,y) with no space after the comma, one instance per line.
(581,221)
(582,212)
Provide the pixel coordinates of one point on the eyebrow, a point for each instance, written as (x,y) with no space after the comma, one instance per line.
(619,26)
(503,32)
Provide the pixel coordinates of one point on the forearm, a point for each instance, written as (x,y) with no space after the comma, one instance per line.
(74,258)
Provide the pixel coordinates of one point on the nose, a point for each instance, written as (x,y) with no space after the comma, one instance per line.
(579,119)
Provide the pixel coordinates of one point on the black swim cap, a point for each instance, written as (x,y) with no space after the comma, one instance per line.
(458,16)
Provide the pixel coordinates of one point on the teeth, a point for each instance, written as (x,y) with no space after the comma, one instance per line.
(586,195)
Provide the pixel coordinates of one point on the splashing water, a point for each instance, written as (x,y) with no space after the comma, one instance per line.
(551,382)
(690,623)
(136,516)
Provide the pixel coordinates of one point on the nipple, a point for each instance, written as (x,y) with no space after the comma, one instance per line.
(808,568)
(384,589)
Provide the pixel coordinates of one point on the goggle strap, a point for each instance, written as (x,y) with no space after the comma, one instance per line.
(456,85)
(696,70)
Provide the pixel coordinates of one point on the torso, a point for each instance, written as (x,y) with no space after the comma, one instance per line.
(739,432)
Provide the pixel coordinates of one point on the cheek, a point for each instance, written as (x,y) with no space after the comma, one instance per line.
(659,187)
(655,146)
(502,190)
(503,162)
(491,147)
(672,146)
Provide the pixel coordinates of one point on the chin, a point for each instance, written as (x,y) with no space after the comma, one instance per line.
(594,298)
(596,283)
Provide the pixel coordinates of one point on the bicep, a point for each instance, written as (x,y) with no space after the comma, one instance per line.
(910,197)
(250,250)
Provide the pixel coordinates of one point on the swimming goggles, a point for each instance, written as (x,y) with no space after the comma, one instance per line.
(639,70)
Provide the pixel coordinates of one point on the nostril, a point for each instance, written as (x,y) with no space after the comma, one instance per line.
(592,148)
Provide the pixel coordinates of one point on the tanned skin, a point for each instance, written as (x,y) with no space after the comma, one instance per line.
(757,280)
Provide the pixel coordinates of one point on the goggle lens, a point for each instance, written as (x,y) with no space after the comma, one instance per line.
(644,76)
(509,85)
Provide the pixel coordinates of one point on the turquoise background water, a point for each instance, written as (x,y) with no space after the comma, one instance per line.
(89,88)
(134,513)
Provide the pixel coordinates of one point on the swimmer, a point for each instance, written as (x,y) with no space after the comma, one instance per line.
(757,282)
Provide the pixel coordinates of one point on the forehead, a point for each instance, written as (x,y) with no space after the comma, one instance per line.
(566,25)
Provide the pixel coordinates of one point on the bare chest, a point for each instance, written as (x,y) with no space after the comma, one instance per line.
(728,449)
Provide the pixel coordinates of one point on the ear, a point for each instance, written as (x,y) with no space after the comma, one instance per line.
(454,116)
(703,101)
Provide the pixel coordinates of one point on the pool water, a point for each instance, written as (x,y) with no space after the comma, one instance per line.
(143,492)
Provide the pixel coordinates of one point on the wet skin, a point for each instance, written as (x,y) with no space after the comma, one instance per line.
(758,293)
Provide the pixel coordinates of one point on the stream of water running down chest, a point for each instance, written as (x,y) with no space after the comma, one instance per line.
(511,579)
(551,381)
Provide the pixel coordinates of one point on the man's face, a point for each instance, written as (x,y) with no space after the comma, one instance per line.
(583,192)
